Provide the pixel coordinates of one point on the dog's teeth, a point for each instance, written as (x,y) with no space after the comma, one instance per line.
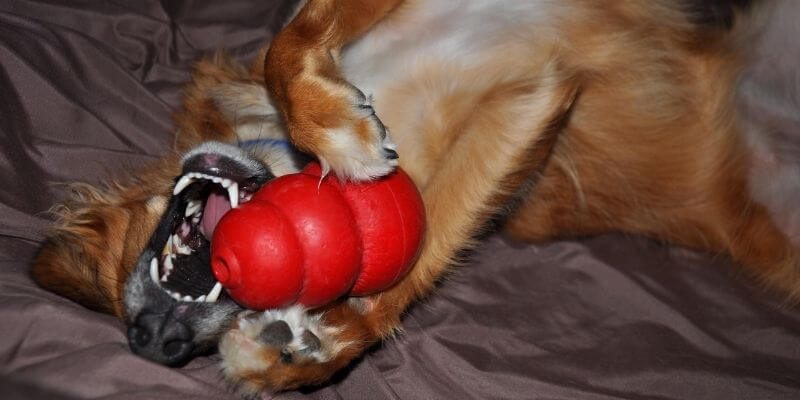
(201,299)
(187,298)
(179,247)
(176,296)
(192,208)
(233,194)
(226,182)
(167,262)
(183,183)
(154,270)
(167,266)
(167,247)
(214,294)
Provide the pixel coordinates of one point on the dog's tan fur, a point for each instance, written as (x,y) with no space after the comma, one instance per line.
(622,120)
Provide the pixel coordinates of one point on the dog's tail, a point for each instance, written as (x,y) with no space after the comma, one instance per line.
(769,117)
(755,240)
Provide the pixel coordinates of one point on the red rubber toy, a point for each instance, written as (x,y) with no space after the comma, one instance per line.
(308,240)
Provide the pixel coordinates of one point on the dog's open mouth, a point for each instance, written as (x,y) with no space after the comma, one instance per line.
(211,185)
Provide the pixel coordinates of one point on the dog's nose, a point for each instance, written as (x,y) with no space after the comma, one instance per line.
(391,154)
(161,338)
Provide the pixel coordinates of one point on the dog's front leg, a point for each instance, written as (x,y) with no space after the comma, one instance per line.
(511,137)
(325,115)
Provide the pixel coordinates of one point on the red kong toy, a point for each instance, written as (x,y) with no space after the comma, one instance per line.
(307,240)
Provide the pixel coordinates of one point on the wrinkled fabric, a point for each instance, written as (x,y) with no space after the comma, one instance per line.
(86,92)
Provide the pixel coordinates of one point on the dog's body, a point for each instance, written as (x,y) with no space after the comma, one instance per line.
(554,117)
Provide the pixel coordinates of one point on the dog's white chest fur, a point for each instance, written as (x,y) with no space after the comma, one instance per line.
(459,33)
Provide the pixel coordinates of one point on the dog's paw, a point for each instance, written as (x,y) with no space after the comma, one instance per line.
(337,123)
(281,349)
(359,148)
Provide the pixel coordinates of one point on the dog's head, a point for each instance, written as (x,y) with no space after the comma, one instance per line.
(173,305)
(142,250)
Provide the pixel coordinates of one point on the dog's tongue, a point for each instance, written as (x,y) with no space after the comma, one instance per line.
(216,206)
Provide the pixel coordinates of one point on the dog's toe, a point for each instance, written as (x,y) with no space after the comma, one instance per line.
(310,343)
(276,333)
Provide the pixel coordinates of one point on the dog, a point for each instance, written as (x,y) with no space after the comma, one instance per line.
(543,118)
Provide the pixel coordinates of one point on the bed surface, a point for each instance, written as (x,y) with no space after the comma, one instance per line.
(86,91)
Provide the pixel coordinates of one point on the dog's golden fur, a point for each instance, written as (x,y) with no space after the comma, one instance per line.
(619,118)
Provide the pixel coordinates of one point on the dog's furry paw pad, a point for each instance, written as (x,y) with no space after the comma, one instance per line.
(289,348)
(361,149)
(264,348)
(294,334)
(279,349)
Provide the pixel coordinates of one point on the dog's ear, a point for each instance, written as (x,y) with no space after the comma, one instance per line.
(98,236)
(81,257)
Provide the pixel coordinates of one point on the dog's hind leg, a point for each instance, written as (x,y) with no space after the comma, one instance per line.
(725,221)
(684,180)
(505,139)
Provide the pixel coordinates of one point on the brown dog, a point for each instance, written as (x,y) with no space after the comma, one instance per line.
(559,118)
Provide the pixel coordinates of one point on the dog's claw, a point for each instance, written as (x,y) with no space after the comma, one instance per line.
(391,154)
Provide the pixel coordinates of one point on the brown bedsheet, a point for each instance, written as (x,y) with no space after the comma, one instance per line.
(86,91)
